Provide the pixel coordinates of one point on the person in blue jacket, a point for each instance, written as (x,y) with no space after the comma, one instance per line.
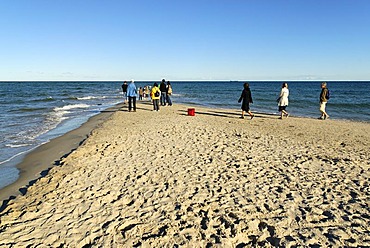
(132,94)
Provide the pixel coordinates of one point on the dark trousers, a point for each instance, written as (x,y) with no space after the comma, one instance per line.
(156,104)
(131,103)
(163,98)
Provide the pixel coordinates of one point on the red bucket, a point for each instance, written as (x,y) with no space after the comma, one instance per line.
(191,111)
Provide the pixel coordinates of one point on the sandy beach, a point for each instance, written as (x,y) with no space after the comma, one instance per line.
(165,179)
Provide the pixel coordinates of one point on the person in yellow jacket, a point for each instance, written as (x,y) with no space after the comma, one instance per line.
(155,95)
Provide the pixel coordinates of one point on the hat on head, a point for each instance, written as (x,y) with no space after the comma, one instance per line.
(132,81)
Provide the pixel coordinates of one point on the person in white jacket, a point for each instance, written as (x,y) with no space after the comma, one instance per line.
(283,100)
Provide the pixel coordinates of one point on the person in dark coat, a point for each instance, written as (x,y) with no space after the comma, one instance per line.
(323,101)
(124,90)
(246,97)
(163,89)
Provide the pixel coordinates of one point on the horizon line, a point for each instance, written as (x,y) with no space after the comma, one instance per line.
(193,80)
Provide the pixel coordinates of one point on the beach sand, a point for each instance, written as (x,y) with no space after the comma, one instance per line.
(165,179)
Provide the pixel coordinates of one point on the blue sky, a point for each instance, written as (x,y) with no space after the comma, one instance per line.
(185,40)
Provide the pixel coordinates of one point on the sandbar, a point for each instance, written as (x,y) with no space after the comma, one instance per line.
(166,179)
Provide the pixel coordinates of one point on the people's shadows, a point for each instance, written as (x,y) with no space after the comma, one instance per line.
(113,109)
(229,114)
(124,107)
(256,114)
(145,109)
(144,102)
(218,114)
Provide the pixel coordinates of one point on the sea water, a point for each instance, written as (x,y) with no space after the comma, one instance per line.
(349,100)
(32,113)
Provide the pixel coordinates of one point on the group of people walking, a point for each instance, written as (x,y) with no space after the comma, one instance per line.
(159,95)
(282,101)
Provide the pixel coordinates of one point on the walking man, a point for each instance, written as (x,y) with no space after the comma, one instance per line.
(132,94)
(163,89)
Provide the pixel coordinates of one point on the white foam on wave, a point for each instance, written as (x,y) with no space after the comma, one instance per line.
(54,118)
(16,145)
(60,113)
(72,106)
(90,97)
(15,156)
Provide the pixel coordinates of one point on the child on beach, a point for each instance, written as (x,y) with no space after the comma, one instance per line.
(246,97)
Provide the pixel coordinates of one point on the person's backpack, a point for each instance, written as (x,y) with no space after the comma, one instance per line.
(156,94)
(327,94)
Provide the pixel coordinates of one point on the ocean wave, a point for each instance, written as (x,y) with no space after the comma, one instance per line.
(27,109)
(72,106)
(58,116)
(72,98)
(16,145)
(91,97)
(47,99)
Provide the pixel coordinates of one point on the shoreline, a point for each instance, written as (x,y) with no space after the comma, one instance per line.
(157,179)
(36,163)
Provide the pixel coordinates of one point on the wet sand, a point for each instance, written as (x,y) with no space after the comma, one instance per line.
(165,179)
(38,162)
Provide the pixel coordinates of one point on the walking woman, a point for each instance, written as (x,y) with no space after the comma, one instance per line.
(246,97)
(283,100)
(324,97)
(169,93)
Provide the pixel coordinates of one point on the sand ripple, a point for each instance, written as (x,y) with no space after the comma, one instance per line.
(165,179)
